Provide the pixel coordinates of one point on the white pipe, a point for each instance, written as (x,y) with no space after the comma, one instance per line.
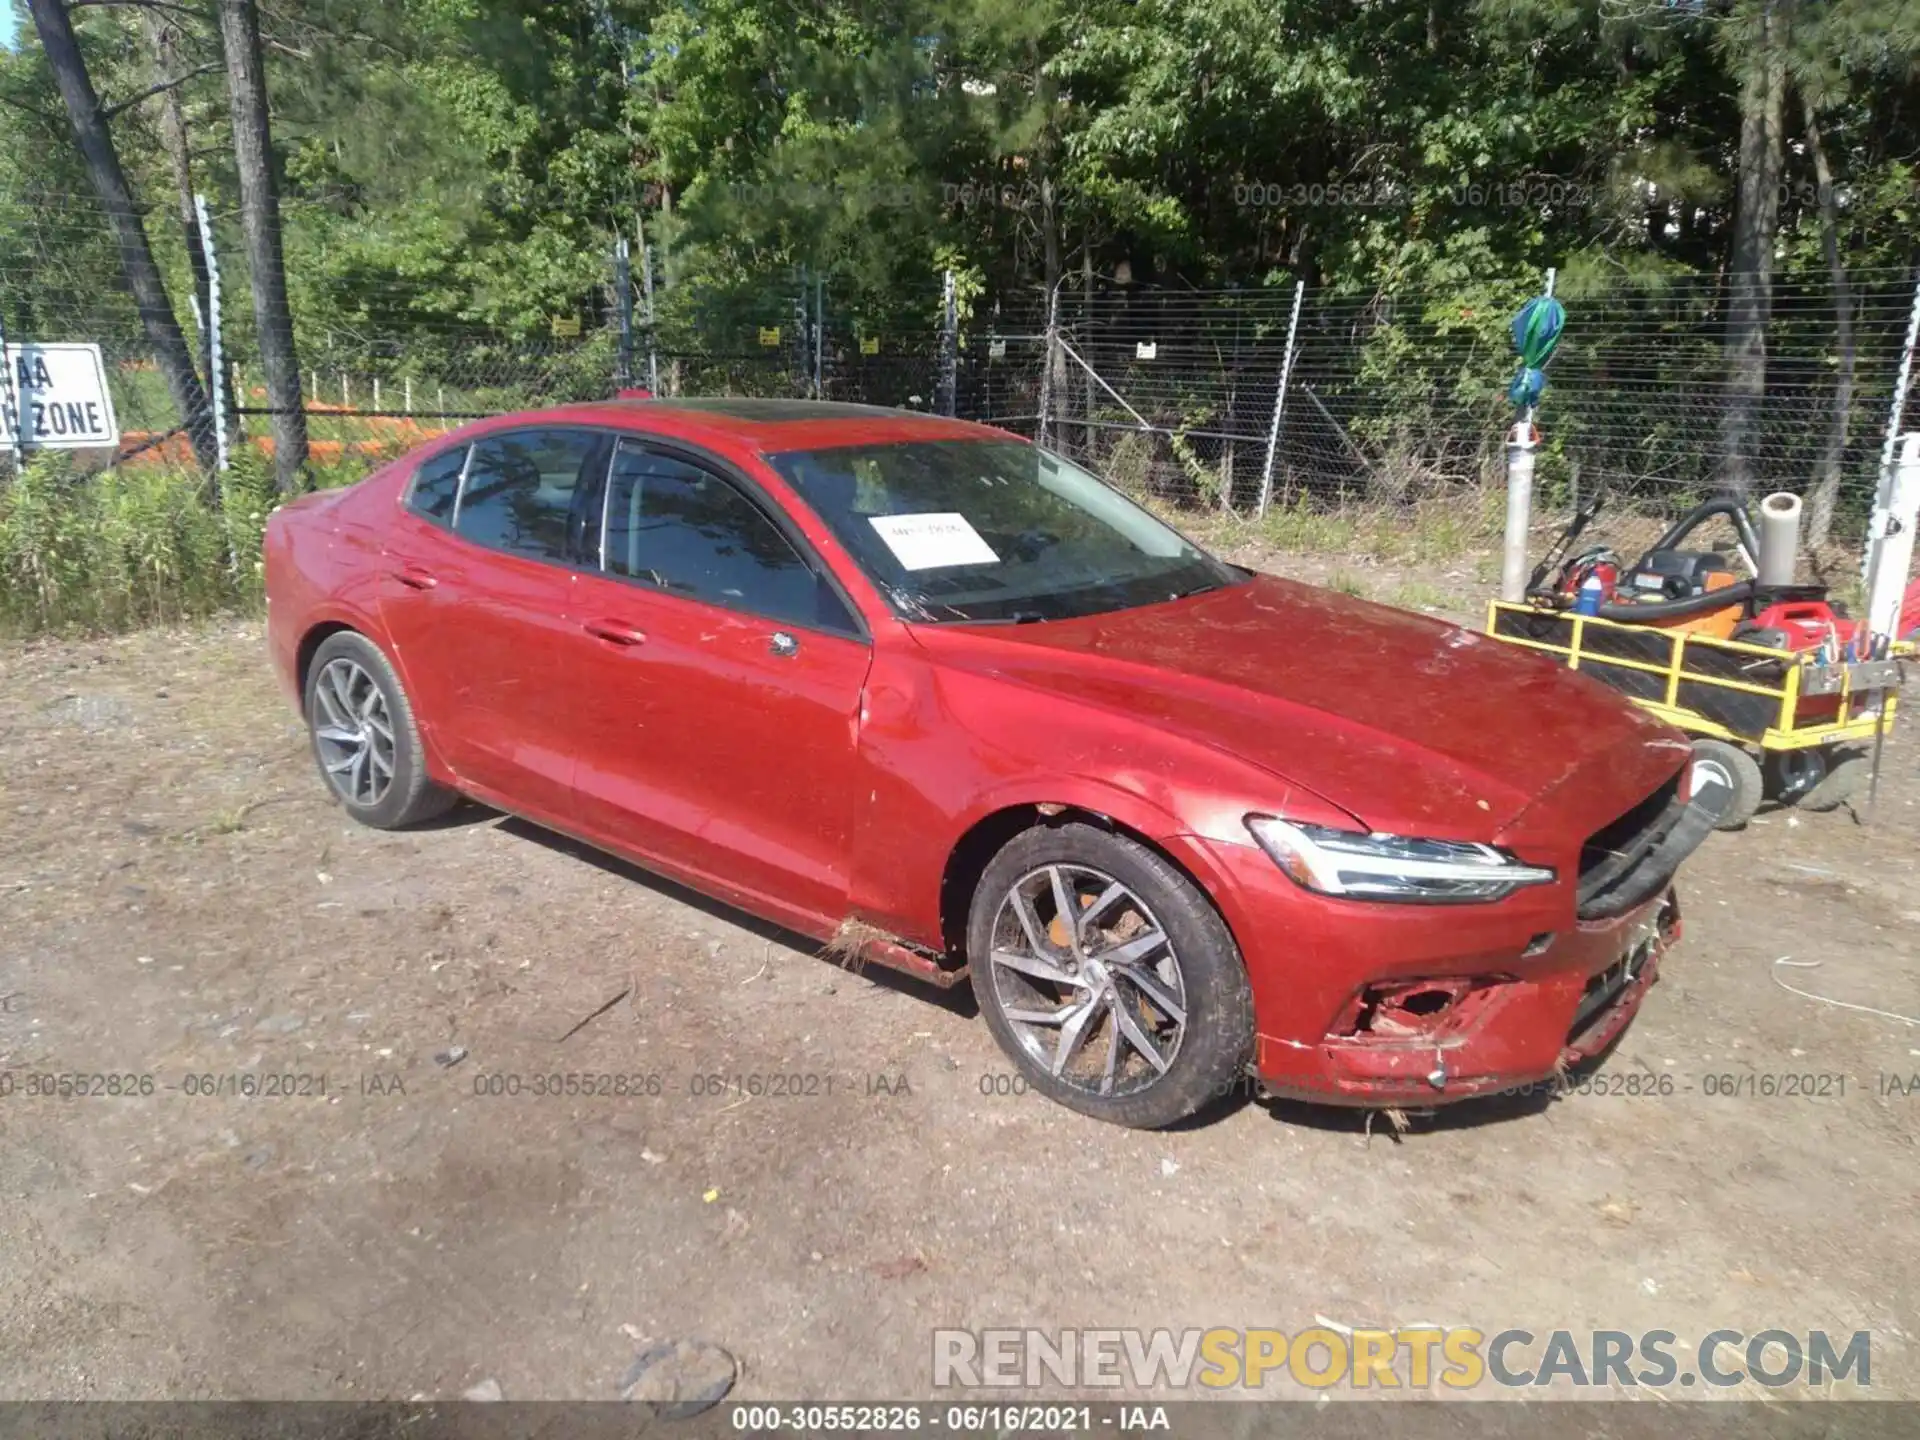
(1779,538)
(1521,442)
(1890,540)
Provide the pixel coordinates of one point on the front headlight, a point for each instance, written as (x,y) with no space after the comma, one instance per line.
(1390,867)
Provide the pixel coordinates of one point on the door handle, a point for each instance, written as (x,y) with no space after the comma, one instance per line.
(416,577)
(614,632)
(783,644)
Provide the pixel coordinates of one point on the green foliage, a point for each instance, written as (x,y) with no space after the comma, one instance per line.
(449,163)
(131,546)
(454,174)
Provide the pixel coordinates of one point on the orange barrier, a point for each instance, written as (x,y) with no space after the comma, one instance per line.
(388,435)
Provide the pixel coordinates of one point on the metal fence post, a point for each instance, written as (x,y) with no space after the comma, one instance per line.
(1522,439)
(819,335)
(216,359)
(646,295)
(1896,416)
(797,356)
(1043,427)
(623,294)
(949,381)
(1280,401)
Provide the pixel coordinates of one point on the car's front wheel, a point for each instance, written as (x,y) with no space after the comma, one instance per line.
(1108,977)
(364,737)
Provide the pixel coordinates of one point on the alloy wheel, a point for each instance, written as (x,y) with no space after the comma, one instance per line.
(1087,979)
(354,732)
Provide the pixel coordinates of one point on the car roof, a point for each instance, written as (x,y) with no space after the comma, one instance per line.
(767,426)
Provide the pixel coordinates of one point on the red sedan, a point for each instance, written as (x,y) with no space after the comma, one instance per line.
(927,692)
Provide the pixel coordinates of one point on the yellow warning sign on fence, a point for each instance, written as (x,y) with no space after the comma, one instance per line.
(870,345)
(769,334)
(566,327)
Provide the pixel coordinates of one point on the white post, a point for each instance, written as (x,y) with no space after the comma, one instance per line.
(216,374)
(1280,401)
(1521,442)
(1044,422)
(376,394)
(1896,415)
(408,401)
(1890,540)
(346,392)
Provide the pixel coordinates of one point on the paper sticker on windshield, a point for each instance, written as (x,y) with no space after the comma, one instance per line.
(926,542)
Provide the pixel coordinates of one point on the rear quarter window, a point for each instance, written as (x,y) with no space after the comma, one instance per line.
(436,485)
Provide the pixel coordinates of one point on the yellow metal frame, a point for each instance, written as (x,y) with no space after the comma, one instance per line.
(1783,734)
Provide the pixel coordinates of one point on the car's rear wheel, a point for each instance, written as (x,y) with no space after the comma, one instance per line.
(364,737)
(1108,977)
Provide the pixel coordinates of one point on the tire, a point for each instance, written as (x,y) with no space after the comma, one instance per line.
(1730,769)
(351,689)
(1185,997)
(1794,774)
(1846,777)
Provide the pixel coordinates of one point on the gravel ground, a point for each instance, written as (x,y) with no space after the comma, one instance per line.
(178,900)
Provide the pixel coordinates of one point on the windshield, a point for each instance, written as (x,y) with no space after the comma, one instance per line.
(990,530)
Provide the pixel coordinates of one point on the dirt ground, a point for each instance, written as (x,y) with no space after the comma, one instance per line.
(178,900)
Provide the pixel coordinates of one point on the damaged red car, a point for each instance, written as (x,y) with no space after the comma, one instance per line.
(930,692)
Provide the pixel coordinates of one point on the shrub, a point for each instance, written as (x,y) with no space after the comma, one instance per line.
(128,546)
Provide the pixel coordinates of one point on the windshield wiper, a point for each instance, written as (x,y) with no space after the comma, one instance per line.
(1202,588)
(1018,617)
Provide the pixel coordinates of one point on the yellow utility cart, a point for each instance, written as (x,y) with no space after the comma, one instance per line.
(1800,712)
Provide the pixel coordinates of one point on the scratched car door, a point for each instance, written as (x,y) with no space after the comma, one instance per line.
(718,724)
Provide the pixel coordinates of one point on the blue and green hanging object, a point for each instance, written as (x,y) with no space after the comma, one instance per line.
(1536,334)
(1525,391)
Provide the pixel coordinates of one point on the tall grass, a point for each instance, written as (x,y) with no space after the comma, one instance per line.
(129,546)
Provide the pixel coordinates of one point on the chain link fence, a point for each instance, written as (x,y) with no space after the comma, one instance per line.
(1256,400)
(1385,401)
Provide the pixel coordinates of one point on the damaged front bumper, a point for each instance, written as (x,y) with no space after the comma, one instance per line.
(1474,1001)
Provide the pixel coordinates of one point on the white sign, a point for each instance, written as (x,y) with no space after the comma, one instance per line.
(926,542)
(1145,349)
(55,398)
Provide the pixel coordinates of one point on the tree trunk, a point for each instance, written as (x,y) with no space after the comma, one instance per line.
(142,275)
(260,218)
(1826,491)
(1756,223)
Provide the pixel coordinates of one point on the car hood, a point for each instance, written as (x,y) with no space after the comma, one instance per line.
(1410,724)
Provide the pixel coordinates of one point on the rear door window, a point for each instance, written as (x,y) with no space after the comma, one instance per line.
(530,492)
